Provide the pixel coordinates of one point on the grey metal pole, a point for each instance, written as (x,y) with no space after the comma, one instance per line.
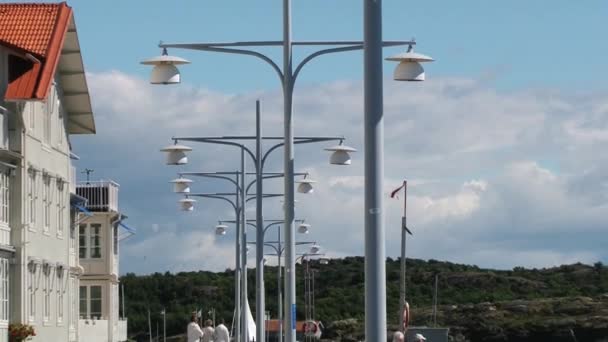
(164,325)
(290,279)
(237,263)
(244,301)
(260,305)
(279,288)
(122,287)
(149,326)
(402,285)
(375,263)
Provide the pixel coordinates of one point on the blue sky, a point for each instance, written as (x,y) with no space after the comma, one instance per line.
(500,144)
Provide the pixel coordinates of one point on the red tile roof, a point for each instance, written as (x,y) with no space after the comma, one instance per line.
(38,30)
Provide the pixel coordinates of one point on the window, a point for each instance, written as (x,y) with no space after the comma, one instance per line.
(90,301)
(4,269)
(4,196)
(32,291)
(90,241)
(83,301)
(46,203)
(31,198)
(95,301)
(115,240)
(82,241)
(60,207)
(47,290)
(60,293)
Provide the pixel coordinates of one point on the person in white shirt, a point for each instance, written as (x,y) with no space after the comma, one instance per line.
(194,331)
(208,331)
(221,333)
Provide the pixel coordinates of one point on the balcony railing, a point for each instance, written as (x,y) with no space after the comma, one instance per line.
(100,195)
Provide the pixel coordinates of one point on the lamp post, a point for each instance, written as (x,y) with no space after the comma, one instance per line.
(303,228)
(165,72)
(177,155)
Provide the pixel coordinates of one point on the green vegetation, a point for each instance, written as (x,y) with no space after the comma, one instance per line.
(339,289)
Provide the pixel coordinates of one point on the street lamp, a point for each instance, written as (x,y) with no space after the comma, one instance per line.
(187,204)
(220,229)
(305,185)
(288,74)
(409,67)
(165,70)
(176,154)
(340,155)
(303,228)
(181,185)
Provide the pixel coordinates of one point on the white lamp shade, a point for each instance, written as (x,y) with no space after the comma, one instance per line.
(220,229)
(187,204)
(303,228)
(181,185)
(165,74)
(410,57)
(340,155)
(324,261)
(305,186)
(176,154)
(409,71)
(314,249)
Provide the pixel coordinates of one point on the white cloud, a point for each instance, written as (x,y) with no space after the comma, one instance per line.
(520,173)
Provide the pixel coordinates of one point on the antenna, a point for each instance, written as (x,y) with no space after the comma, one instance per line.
(88,172)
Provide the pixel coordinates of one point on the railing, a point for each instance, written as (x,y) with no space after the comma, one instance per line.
(100,195)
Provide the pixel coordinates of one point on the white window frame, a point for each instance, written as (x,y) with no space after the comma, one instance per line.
(74,302)
(89,241)
(32,196)
(61,286)
(46,204)
(60,207)
(4,289)
(47,289)
(5,186)
(32,288)
(83,290)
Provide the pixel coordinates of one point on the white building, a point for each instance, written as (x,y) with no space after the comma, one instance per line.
(99,237)
(44,99)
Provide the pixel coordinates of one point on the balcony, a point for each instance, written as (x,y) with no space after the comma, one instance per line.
(100,195)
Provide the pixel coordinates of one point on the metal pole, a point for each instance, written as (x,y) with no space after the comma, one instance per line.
(122,287)
(237,263)
(279,288)
(435,301)
(164,325)
(157,332)
(288,159)
(259,250)
(375,263)
(149,326)
(402,284)
(244,301)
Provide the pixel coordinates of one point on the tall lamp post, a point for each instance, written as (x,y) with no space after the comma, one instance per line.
(165,72)
(177,155)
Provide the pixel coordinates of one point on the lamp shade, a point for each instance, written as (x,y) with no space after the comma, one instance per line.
(340,155)
(181,185)
(323,261)
(409,67)
(165,70)
(314,249)
(176,154)
(305,186)
(187,204)
(409,71)
(220,229)
(303,228)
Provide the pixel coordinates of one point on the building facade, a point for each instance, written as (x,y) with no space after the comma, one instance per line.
(44,101)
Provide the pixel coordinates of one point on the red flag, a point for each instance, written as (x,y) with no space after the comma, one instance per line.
(394,192)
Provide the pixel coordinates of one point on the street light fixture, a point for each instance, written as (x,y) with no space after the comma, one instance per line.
(314,249)
(305,185)
(187,204)
(409,67)
(165,70)
(181,185)
(220,229)
(341,154)
(324,261)
(303,228)
(176,154)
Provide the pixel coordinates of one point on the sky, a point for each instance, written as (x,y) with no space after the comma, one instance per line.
(502,146)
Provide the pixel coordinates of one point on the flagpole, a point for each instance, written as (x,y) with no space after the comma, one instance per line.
(149,326)
(402,288)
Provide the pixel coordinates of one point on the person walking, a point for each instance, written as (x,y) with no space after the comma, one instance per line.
(221,333)
(194,331)
(208,331)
